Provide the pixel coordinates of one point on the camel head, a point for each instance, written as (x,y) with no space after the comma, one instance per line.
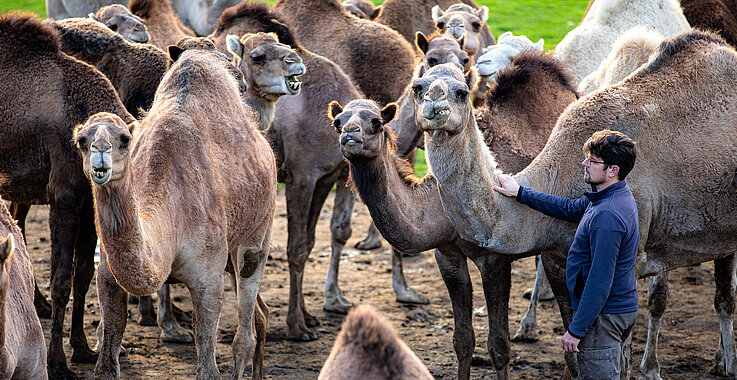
(461,19)
(207,45)
(442,105)
(104,141)
(271,68)
(361,126)
(362,9)
(120,20)
(442,48)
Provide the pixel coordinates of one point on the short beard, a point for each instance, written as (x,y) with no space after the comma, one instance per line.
(591,182)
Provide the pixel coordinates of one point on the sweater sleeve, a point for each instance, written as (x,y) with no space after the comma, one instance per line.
(604,245)
(558,207)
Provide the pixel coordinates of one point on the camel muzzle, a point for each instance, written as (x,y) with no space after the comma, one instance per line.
(102,164)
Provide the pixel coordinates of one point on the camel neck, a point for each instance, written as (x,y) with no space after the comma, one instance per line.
(263,108)
(3,303)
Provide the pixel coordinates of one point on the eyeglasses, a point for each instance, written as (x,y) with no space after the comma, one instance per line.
(588,161)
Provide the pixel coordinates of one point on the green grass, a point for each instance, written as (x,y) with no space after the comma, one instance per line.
(548,19)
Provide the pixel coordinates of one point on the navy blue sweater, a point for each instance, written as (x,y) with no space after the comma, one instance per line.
(600,265)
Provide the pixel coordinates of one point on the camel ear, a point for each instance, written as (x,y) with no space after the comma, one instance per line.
(376,12)
(92,16)
(388,112)
(7,245)
(421,42)
(133,126)
(174,52)
(539,44)
(483,13)
(436,13)
(234,45)
(334,109)
(472,78)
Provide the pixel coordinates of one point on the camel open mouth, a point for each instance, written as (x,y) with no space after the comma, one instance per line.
(293,84)
(100,176)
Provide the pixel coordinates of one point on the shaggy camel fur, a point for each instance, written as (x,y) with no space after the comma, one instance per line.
(368,347)
(583,48)
(162,22)
(464,20)
(377,170)
(629,52)
(362,9)
(135,223)
(410,16)
(679,221)
(63,92)
(23,354)
(120,20)
(712,15)
(201,16)
(365,50)
(61,9)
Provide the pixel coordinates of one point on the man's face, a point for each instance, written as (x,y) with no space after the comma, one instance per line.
(595,170)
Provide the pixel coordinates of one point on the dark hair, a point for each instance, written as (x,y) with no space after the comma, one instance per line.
(614,148)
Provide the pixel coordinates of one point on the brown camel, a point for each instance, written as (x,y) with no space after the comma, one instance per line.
(532,75)
(362,9)
(464,20)
(679,221)
(120,20)
(368,347)
(308,158)
(63,92)
(365,50)
(23,354)
(161,20)
(214,209)
(712,15)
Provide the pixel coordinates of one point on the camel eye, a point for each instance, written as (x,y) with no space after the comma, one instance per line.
(81,142)
(376,123)
(465,61)
(476,26)
(432,61)
(258,58)
(462,95)
(417,89)
(336,124)
(124,140)
(441,25)
(113,27)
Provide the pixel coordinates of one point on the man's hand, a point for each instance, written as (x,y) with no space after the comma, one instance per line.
(510,187)
(568,343)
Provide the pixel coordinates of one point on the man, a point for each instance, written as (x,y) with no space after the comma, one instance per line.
(600,263)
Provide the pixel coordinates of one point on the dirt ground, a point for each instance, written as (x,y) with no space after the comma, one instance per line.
(689,335)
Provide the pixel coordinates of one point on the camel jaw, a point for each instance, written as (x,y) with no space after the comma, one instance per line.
(100,176)
(292,84)
(351,145)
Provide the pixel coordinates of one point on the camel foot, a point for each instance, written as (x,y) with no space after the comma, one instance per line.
(147,320)
(338,304)
(369,242)
(717,369)
(302,335)
(176,335)
(43,307)
(83,355)
(60,371)
(409,295)
(524,335)
(311,320)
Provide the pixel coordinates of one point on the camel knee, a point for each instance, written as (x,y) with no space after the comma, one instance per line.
(724,304)
(252,259)
(499,351)
(341,232)
(463,343)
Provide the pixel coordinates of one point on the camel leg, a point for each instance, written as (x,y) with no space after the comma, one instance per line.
(261,324)
(114,308)
(555,270)
(207,301)
(496,276)
(250,261)
(84,269)
(146,309)
(372,239)
(657,301)
(724,303)
(526,331)
(402,290)
(340,229)
(170,330)
(454,270)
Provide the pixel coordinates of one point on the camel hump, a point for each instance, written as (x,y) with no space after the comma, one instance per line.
(258,13)
(364,328)
(694,39)
(25,31)
(87,35)
(7,245)
(526,66)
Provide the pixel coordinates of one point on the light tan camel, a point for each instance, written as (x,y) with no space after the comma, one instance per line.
(365,50)
(120,20)
(208,215)
(161,20)
(464,20)
(368,347)
(23,348)
(65,92)
(679,221)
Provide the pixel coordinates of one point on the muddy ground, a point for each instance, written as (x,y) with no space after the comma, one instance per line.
(689,336)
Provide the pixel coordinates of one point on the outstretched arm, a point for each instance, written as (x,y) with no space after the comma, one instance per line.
(558,207)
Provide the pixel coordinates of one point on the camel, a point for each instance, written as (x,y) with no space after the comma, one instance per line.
(365,50)
(120,20)
(583,48)
(368,347)
(363,9)
(675,231)
(377,171)
(21,336)
(162,22)
(61,9)
(64,92)
(712,15)
(201,16)
(464,20)
(215,209)
(629,52)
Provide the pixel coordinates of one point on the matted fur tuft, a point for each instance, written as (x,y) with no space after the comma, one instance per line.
(523,68)
(25,31)
(259,12)
(670,47)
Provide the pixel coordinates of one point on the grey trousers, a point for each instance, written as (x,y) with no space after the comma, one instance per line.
(600,350)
